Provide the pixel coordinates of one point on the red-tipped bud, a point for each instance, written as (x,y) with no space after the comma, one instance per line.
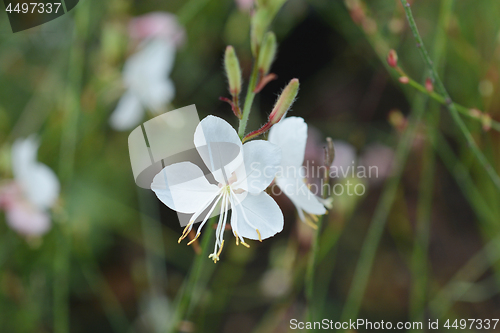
(392,58)
(404,79)
(280,109)
(285,101)
(428,85)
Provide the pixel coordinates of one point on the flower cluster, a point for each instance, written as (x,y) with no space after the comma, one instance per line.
(237,168)
(240,181)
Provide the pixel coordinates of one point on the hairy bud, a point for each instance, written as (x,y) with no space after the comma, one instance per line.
(267,53)
(233,71)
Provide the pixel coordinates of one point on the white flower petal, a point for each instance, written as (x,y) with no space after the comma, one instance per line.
(41,186)
(261,212)
(262,160)
(24,152)
(159,94)
(183,187)
(38,182)
(219,146)
(295,189)
(290,134)
(27,219)
(128,113)
(153,62)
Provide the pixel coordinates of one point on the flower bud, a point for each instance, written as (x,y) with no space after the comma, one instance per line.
(233,71)
(284,102)
(267,53)
(259,24)
(475,113)
(428,85)
(404,79)
(392,59)
(486,121)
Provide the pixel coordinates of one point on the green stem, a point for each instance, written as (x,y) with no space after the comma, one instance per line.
(449,103)
(189,10)
(440,99)
(61,281)
(313,258)
(66,167)
(248,101)
(484,259)
(311,266)
(190,288)
(377,225)
(419,291)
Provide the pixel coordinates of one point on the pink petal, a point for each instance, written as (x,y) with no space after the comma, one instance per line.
(26,219)
(157,25)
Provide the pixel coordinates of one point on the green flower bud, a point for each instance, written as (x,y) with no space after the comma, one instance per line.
(284,102)
(267,53)
(233,71)
(259,24)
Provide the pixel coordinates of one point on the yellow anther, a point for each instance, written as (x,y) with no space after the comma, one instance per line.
(192,241)
(258,233)
(245,244)
(311,224)
(220,249)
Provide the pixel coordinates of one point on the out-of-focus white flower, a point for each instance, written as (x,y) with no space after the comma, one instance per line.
(145,76)
(157,25)
(290,134)
(34,190)
(378,160)
(146,73)
(243,172)
(345,159)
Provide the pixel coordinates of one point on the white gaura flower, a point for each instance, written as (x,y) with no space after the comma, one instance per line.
(146,78)
(290,134)
(241,173)
(34,190)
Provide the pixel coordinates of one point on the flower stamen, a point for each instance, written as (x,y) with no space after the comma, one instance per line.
(258,233)
(194,239)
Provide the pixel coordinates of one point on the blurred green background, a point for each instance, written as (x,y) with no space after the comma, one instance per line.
(111,262)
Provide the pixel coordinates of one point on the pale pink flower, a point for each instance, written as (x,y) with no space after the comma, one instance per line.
(157,25)
(33,191)
(379,157)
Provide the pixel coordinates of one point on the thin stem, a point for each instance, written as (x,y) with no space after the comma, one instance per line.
(419,291)
(442,100)
(248,101)
(110,303)
(61,282)
(66,167)
(189,10)
(377,225)
(313,257)
(311,266)
(184,303)
(449,103)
